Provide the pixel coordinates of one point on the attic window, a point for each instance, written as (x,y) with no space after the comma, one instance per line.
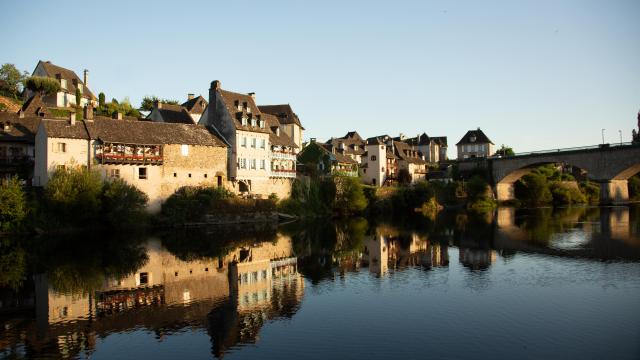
(63,83)
(262,124)
(472,138)
(244,121)
(237,103)
(253,122)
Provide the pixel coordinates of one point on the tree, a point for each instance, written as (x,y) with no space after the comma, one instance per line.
(349,195)
(122,203)
(533,189)
(101,100)
(78,97)
(42,85)
(505,151)
(147,102)
(74,195)
(11,80)
(404,177)
(13,206)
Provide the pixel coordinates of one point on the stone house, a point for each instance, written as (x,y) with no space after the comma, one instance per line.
(351,145)
(386,157)
(158,158)
(241,123)
(69,82)
(475,144)
(282,163)
(324,159)
(17,139)
(434,149)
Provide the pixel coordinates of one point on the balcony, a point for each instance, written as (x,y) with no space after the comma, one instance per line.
(129,154)
(283,173)
(283,155)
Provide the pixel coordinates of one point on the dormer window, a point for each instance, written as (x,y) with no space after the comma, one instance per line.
(262,124)
(253,122)
(237,104)
(244,121)
(244,105)
(472,138)
(63,83)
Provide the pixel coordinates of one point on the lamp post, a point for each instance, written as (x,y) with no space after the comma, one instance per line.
(603,136)
(620,132)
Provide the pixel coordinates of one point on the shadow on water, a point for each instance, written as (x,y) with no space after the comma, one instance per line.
(60,295)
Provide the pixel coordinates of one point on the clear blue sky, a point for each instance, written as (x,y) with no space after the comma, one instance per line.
(532,74)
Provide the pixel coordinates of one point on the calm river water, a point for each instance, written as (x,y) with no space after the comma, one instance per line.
(529,284)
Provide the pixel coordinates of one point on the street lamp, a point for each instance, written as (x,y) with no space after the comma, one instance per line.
(620,132)
(603,136)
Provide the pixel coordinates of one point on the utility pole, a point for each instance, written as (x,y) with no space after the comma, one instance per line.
(603,136)
(620,132)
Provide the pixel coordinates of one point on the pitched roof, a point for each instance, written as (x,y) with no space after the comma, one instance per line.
(19,129)
(478,137)
(175,114)
(148,132)
(196,105)
(283,112)
(277,137)
(69,75)
(35,107)
(232,100)
(63,129)
(353,143)
(339,157)
(422,139)
(440,140)
(406,153)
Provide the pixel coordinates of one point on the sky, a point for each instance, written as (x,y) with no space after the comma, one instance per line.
(533,75)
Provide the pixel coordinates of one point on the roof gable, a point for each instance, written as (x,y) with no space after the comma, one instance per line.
(72,78)
(474,137)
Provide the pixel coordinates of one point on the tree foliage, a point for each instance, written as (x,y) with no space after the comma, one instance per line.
(533,190)
(43,85)
(349,198)
(11,80)
(101,100)
(147,102)
(505,151)
(122,203)
(13,205)
(78,97)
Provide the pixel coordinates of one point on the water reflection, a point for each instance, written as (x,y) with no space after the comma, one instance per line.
(66,294)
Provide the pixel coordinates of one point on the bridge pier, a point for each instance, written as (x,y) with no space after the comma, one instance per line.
(505,191)
(614,192)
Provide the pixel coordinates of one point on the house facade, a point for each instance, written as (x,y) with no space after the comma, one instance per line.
(319,158)
(239,121)
(158,158)
(385,157)
(434,149)
(190,112)
(289,121)
(69,82)
(351,145)
(475,144)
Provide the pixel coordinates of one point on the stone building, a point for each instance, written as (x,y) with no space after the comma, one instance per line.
(158,158)
(386,157)
(289,121)
(189,112)
(434,149)
(69,82)
(324,159)
(351,145)
(240,122)
(475,144)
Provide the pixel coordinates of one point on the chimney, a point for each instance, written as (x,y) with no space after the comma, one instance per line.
(312,140)
(253,95)
(117,115)
(157,104)
(72,118)
(278,131)
(216,85)
(401,136)
(190,96)
(88,112)
(86,77)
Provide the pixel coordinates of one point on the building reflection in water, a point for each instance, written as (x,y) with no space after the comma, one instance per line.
(255,282)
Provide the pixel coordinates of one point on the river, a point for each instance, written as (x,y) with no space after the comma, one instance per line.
(528,284)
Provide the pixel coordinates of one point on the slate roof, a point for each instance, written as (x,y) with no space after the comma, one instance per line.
(176,114)
(197,105)
(480,138)
(422,139)
(232,100)
(353,143)
(69,75)
(148,132)
(63,129)
(440,140)
(404,152)
(283,112)
(343,159)
(20,129)
(35,107)
(11,106)
(274,139)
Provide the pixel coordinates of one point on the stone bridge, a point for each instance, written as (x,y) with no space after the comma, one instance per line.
(608,165)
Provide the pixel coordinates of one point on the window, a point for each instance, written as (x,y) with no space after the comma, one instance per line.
(205,176)
(262,164)
(60,167)
(175,174)
(63,83)
(238,107)
(243,143)
(144,278)
(244,121)
(142,173)
(114,173)
(242,163)
(61,147)
(263,143)
(253,142)
(184,149)
(253,164)
(262,124)
(189,175)
(253,122)
(373,158)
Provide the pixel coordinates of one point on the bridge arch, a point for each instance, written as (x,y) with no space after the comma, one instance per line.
(609,166)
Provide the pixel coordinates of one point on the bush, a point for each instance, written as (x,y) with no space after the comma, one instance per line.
(349,196)
(533,190)
(591,192)
(13,205)
(564,195)
(74,195)
(123,204)
(190,203)
(43,85)
(634,187)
